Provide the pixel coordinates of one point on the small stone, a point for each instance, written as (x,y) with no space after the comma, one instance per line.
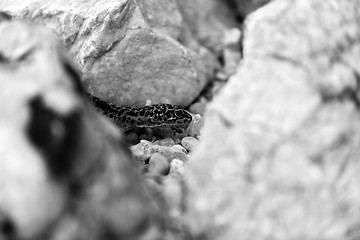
(177,167)
(179,152)
(189,143)
(158,164)
(166,142)
(177,140)
(198,107)
(232,37)
(145,149)
(195,126)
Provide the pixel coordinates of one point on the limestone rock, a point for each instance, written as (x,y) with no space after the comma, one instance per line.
(145,149)
(158,164)
(189,143)
(127,53)
(279,152)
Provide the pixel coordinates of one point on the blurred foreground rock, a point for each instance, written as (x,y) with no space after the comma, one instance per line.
(65,172)
(280,149)
(129,50)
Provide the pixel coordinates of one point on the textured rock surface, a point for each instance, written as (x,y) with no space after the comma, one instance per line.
(128,50)
(279,152)
(145,149)
(189,143)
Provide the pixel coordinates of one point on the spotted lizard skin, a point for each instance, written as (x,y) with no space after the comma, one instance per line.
(158,115)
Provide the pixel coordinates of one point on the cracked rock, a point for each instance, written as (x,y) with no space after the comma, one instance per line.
(276,160)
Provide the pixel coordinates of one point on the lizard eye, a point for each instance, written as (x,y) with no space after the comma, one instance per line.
(55,136)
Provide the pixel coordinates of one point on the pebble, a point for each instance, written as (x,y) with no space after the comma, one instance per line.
(166,142)
(179,152)
(158,164)
(177,141)
(145,149)
(177,168)
(142,151)
(195,126)
(189,143)
(199,107)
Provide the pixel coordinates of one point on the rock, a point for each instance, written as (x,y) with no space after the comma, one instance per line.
(169,71)
(145,149)
(278,155)
(126,52)
(199,107)
(158,164)
(62,165)
(189,143)
(195,126)
(162,16)
(166,142)
(177,168)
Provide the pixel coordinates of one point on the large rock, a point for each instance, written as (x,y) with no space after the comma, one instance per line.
(65,173)
(127,50)
(279,152)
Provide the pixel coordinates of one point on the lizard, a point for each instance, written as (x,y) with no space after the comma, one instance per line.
(157,115)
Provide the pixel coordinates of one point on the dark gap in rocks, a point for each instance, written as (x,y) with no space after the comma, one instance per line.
(5,16)
(241,42)
(233,7)
(221,60)
(347,94)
